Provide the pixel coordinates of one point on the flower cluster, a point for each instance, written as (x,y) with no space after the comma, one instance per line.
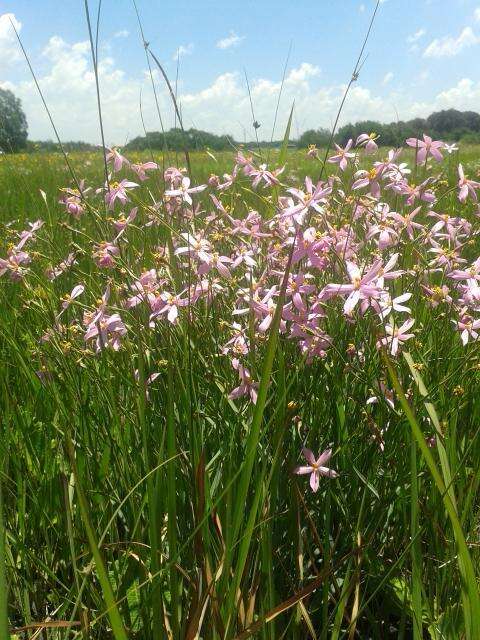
(356,247)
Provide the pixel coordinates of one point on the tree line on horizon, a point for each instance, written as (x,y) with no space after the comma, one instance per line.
(450,125)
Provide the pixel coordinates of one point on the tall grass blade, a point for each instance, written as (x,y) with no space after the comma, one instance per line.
(416,551)
(470,595)
(4,632)
(111,606)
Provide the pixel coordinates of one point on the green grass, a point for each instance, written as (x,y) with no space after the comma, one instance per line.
(176,514)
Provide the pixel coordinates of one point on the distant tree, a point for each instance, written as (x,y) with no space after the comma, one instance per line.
(48,146)
(354,130)
(318,137)
(177,140)
(13,123)
(472,120)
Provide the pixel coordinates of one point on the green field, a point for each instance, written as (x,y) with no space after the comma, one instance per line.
(163,507)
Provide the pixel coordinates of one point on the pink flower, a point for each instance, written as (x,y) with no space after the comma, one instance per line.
(419,192)
(467,327)
(141,169)
(387,396)
(247,387)
(118,160)
(173,176)
(426,147)
(72,201)
(144,289)
(406,221)
(122,222)
(104,255)
(229,180)
(308,245)
(29,234)
(367,140)
(169,304)
(69,298)
(185,190)
(118,191)
(14,264)
(197,247)
(107,330)
(341,158)
(316,468)
(219,263)
(466,187)
(396,336)
(245,162)
(262,173)
(361,287)
(53,273)
(368,179)
(312,197)
(466,274)
(389,304)
(386,235)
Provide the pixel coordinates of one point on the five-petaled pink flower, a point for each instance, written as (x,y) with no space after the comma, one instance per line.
(184,190)
(426,147)
(368,141)
(316,467)
(142,167)
(342,155)
(466,187)
(396,335)
(118,191)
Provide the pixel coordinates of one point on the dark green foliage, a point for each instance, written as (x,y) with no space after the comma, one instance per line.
(50,146)
(178,140)
(318,137)
(449,125)
(13,123)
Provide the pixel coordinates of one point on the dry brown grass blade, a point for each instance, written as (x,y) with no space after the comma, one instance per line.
(48,624)
(356,600)
(284,606)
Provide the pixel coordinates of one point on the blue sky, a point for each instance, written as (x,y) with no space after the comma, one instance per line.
(422,56)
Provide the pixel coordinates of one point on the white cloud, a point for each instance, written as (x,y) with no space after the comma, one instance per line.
(301,75)
(184,50)
(123,33)
(68,85)
(9,48)
(416,36)
(476,14)
(388,77)
(450,46)
(232,40)
(223,106)
(464,95)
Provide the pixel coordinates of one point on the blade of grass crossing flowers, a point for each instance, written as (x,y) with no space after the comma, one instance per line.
(416,551)
(171,497)
(153,507)
(344,594)
(286,139)
(4,633)
(262,491)
(254,433)
(470,595)
(118,629)
(282,157)
(442,454)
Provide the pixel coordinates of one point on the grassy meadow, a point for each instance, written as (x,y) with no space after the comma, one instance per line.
(155,403)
